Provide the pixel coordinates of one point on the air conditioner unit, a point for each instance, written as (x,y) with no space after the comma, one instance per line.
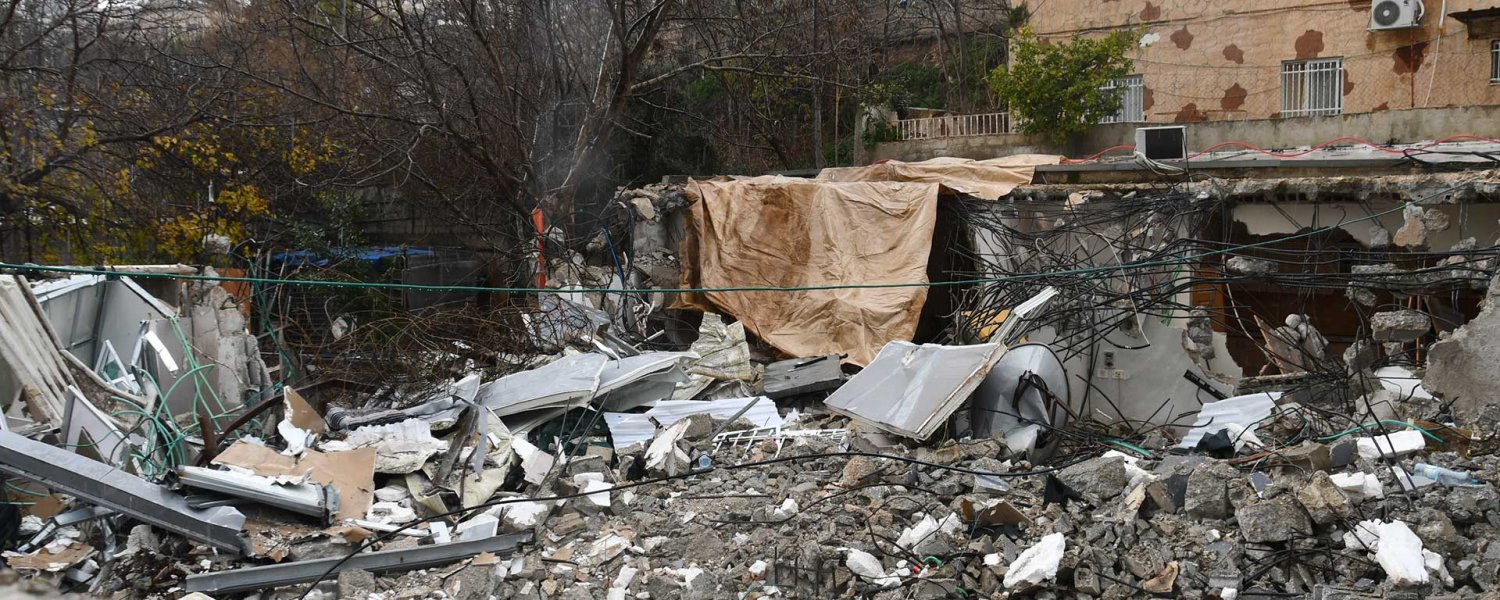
(1162,143)
(1395,14)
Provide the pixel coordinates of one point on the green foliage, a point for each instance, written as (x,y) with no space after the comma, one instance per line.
(840,153)
(879,131)
(340,217)
(1056,89)
(912,84)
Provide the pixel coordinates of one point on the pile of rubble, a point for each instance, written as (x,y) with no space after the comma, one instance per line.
(649,476)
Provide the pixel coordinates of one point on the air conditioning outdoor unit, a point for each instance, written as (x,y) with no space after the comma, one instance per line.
(1395,14)
(1162,143)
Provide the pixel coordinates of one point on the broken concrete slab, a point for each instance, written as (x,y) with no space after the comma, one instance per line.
(1207,495)
(1400,325)
(1099,478)
(1276,520)
(1461,369)
(1324,500)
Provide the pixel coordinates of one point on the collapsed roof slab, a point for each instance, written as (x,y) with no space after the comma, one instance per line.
(1320,187)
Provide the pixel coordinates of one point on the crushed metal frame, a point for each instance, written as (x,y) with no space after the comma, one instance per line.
(111,487)
(270,576)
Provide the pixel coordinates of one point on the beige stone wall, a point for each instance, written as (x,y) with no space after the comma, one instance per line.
(1222,60)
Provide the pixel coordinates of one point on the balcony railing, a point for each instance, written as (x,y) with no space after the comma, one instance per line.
(954,126)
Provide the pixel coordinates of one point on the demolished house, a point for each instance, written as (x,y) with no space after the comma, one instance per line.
(1024,376)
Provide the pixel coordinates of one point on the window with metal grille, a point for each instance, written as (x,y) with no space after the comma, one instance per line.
(1132,90)
(1312,87)
(1495,62)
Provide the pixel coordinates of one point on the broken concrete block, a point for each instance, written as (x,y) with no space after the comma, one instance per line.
(1099,478)
(1435,220)
(1361,294)
(1324,501)
(1380,237)
(699,426)
(1413,231)
(521,516)
(1399,552)
(868,569)
(1275,520)
(1207,491)
(1437,532)
(1037,564)
(858,470)
(1163,582)
(1400,325)
(1360,355)
(1245,265)
(1309,456)
(1462,369)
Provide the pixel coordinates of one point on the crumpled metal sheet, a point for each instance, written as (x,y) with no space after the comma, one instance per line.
(911,390)
(564,383)
(723,355)
(111,487)
(762,412)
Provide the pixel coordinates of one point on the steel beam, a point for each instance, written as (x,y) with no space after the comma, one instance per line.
(270,576)
(113,488)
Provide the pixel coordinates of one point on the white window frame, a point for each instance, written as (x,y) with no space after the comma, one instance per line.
(1495,62)
(1132,99)
(1312,88)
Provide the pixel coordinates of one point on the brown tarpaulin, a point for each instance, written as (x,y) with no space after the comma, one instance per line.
(990,179)
(853,226)
(780,232)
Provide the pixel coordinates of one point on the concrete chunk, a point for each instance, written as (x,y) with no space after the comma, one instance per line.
(1100,478)
(1324,500)
(1276,520)
(1399,325)
(1207,491)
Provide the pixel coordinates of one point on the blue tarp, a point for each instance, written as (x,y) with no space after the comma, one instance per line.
(371,254)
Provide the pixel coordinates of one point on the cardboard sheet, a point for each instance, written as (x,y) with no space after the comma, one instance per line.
(352,473)
(990,179)
(302,414)
(781,232)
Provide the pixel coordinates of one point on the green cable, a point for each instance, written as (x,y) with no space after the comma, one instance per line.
(1132,447)
(20,490)
(1425,432)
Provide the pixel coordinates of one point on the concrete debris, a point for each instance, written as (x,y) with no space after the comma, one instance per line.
(1245,265)
(1111,431)
(400,448)
(1400,325)
(1413,231)
(1275,520)
(1461,369)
